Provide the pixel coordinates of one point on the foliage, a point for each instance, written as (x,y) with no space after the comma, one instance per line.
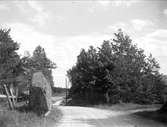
(9,59)
(39,61)
(117,70)
(29,119)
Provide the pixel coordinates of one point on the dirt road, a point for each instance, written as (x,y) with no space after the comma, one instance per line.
(74,116)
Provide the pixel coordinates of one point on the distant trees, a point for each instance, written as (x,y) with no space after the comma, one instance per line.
(39,61)
(88,77)
(43,63)
(118,71)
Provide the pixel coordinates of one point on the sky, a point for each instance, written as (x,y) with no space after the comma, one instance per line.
(64,27)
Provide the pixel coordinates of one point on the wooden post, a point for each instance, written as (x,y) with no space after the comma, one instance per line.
(17,93)
(12,96)
(8,97)
(66,90)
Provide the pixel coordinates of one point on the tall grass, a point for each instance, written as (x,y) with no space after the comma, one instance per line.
(23,119)
(127,106)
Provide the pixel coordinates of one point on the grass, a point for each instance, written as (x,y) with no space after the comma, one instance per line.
(153,115)
(127,106)
(28,119)
(137,115)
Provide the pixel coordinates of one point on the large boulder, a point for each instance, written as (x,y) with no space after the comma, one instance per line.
(40,94)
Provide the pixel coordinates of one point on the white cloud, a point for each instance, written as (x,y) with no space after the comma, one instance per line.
(63,51)
(117,2)
(41,16)
(119,25)
(139,24)
(3,7)
(132,28)
(152,42)
(35,5)
(104,2)
(125,27)
(28,36)
(165,12)
(155,43)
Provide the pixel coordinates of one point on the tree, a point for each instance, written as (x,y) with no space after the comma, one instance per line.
(88,77)
(132,68)
(9,60)
(39,61)
(119,71)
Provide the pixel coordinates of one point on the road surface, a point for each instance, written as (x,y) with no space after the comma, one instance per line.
(74,116)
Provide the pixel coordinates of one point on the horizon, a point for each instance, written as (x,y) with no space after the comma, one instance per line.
(63,28)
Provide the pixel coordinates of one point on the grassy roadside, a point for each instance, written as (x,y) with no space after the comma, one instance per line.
(22,119)
(127,106)
(139,115)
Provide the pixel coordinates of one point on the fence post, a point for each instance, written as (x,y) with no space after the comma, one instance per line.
(66,90)
(12,95)
(8,97)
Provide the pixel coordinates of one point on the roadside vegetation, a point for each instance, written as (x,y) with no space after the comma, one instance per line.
(58,91)
(128,107)
(15,82)
(16,118)
(116,72)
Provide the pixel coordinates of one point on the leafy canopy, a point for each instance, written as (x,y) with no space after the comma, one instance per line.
(119,69)
(9,59)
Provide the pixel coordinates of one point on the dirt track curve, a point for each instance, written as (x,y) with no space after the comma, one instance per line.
(74,116)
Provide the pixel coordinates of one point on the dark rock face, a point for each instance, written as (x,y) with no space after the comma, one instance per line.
(40,94)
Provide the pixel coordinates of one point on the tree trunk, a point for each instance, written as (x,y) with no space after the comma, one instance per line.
(17,93)
(107,97)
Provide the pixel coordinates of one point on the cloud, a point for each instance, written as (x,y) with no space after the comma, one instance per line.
(139,24)
(126,3)
(28,36)
(3,7)
(104,2)
(62,50)
(35,5)
(124,26)
(41,16)
(132,28)
(117,26)
(155,43)
(165,12)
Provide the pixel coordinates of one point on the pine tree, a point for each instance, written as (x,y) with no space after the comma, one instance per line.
(118,71)
(9,60)
(39,61)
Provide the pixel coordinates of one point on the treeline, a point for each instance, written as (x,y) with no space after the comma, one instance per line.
(15,69)
(59,90)
(39,62)
(118,71)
